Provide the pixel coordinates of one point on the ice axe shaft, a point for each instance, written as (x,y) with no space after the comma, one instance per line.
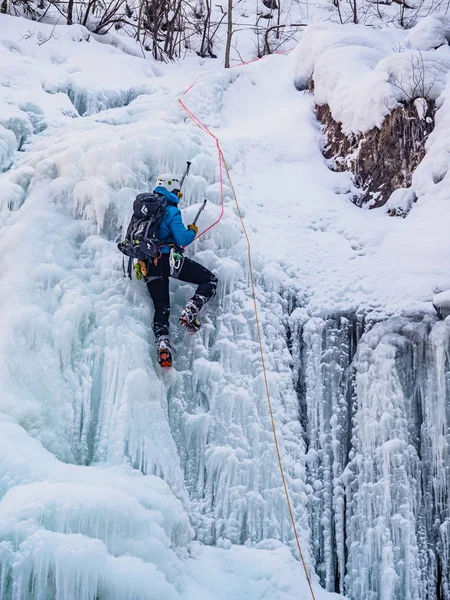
(200,211)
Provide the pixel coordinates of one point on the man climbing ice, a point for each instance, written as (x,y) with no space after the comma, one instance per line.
(173,236)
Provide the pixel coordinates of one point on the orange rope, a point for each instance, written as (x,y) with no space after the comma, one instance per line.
(202,126)
(266,382)
(219,152)
(248,62)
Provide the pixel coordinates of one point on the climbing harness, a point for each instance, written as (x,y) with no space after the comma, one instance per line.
(222,163)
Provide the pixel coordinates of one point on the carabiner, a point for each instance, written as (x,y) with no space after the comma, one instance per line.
(157,257)
(174,263)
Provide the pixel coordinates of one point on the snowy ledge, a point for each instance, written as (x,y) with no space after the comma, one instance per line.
(377,92)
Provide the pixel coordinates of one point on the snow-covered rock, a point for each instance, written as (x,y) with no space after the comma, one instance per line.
(441,302)
(362,74)
(400,202)
(430,33)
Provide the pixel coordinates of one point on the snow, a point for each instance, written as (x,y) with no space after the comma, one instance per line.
(430,33)
(108,467)
(258,573)
(401,201)
(70,531)
(67,70)
(363,74)
(441,301)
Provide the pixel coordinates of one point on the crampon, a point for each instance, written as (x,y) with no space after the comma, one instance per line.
(189,317)
(164,353)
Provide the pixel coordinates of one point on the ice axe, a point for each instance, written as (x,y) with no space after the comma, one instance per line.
(186,172)
(199,212)
(176,256)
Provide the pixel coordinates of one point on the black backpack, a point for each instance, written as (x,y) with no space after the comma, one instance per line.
(141,240)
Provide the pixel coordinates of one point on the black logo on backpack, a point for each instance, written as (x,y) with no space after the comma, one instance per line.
(141,240)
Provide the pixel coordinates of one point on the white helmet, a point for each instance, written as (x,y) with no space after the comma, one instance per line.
(168,181)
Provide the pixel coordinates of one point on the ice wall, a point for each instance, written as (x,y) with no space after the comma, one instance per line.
(376,398)
(109,467)
(70,531)
(98,425)
(219,419)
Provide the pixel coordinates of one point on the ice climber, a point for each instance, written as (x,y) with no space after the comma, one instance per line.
(173,236)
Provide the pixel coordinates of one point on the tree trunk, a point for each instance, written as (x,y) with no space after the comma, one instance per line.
(138,32)
(154,9)
(70,12)
(277,34)
(206,26)
(229,34)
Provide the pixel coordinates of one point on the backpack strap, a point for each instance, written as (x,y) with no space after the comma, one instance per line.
(130,267)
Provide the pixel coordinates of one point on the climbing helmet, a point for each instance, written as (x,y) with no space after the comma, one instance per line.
(168,181)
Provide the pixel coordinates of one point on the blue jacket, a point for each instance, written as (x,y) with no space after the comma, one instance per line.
(172,229)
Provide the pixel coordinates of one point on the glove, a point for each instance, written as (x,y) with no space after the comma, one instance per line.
(193,228)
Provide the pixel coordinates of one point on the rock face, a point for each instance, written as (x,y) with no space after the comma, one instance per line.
(381,160)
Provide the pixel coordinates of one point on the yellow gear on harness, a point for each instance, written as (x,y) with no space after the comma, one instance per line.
(140,269)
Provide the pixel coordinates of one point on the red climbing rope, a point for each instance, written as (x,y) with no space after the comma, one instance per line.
(202,126)
(191,86)
(219,152)
(256,59)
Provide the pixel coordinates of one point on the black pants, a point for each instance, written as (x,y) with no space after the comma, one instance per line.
(158,285)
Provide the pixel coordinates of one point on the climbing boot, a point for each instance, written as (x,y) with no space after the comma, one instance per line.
(189,317)
(164,351)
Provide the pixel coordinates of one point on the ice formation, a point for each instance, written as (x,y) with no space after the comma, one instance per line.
(109,468)
(377,453)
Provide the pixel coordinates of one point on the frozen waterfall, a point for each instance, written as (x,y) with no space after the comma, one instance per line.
(122,482)
(376,403)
